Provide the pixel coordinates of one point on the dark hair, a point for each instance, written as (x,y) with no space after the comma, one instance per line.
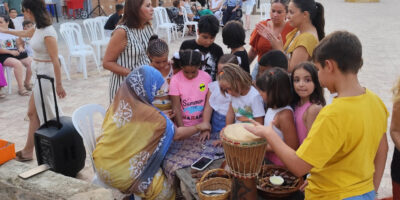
(276,83)
(317,96)
(9,10)
(157,47)
(188,57)
(209,24)
(285,3)
(131,17)
(228,58)
(237,78)
(39,11)
(8,20)
(233,34)
(316,11)
(119,7)
(175,3)
(26,22)
(344,48)
(274,58)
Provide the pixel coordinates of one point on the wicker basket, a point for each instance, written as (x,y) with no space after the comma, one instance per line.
(214,183)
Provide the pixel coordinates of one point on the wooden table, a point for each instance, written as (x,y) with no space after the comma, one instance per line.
(185,176)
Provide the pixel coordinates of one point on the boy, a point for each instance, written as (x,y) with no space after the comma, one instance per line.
(346,148)
(27,25)
(208,29)
(17,20)
(273,58)
(114,18)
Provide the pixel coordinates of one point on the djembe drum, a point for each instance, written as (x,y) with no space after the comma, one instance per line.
(244,154)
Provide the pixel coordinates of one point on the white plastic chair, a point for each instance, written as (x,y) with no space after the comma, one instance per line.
(72,34)
(95,30)
(82,119)
(163,22)
(187,22)
(64,66)
(9,76)
(264,11)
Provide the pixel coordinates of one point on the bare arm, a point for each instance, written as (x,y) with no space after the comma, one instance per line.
(286,124)
(395,125)
(380,161)
(299,55)
(176,107)
(23,33)
(207,109)
(252,55)
(311,114)
(52,49)
(118,41)
(230,116)
(7,51)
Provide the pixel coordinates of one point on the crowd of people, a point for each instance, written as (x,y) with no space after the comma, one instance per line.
(165,113)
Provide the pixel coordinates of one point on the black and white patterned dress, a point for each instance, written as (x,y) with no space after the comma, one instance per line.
(134,54)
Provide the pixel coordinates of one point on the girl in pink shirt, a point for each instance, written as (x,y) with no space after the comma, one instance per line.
(308,97)
(188,89)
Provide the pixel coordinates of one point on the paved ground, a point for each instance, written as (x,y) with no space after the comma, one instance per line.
(376,24)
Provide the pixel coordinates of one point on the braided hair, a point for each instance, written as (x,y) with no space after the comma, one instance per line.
(157,47)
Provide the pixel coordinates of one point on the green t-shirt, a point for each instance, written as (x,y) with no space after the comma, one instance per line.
(16,4)
(205,12)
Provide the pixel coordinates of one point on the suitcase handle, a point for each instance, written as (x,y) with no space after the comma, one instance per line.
(39,76)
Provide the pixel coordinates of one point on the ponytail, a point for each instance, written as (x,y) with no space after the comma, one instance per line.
(319,21)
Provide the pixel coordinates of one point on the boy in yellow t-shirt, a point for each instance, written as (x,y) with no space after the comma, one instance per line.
(346,148)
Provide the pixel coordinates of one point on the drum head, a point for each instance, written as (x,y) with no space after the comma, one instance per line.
(237,134)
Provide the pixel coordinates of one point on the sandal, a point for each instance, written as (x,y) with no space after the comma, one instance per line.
(28,86)
(23,92)
(20,158)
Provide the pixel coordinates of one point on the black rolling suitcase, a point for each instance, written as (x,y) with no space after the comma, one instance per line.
(57,142)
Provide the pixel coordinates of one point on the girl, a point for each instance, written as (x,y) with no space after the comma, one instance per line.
(218,104)
(395,133)
(233,36)
(188,89)
(308,98)
(274,87)
(246,102)
(157,52)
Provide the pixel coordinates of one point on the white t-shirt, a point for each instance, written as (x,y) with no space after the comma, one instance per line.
(18,23)
(251,105)
(8,41)
(218,101)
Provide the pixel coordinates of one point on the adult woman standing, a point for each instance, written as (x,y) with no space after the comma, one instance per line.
(136,137)
(277,25)
(45,62)
(307,17)
(129,42)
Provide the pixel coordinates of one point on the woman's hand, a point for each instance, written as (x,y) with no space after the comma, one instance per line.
(267,33)
(14,52)
(60,91)
(205,135)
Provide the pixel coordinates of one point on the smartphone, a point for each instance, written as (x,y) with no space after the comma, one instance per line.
(201,163)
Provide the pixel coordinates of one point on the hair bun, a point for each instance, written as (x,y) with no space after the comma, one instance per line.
(153,37)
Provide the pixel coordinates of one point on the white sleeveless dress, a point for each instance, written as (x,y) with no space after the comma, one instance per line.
(44,68)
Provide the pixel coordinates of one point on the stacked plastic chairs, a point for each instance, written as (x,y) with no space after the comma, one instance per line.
(163,22)
(187,22)
(95,30)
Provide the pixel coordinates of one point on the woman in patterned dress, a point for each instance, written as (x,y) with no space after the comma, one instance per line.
(128,43)
(136,137)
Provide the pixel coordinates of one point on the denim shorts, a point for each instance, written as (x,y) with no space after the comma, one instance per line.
(217,123)
(366,196)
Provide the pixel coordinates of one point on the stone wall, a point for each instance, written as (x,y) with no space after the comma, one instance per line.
(45,186)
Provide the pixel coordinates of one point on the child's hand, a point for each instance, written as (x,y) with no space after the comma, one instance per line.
(217,143)
(203,126)
(170,113)
(205,135)
(259,129)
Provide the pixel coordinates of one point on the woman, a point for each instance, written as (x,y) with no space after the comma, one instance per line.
(136,137)
(13,54)
(45,62)
(395,133)
(307,17)
(248,9)
(277,25)
(129,42)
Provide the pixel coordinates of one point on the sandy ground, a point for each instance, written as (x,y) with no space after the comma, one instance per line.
(376,24)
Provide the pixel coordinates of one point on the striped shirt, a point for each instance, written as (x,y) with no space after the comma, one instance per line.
(134,54)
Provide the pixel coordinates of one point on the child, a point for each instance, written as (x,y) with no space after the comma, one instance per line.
(395,133)
(246,102)
(27,25)
(233,36)
(345,149)
(308,97)
(17,20)
(188,89)
(218,104)
(275,89)
(157,51)
(273,58)
(208,29)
